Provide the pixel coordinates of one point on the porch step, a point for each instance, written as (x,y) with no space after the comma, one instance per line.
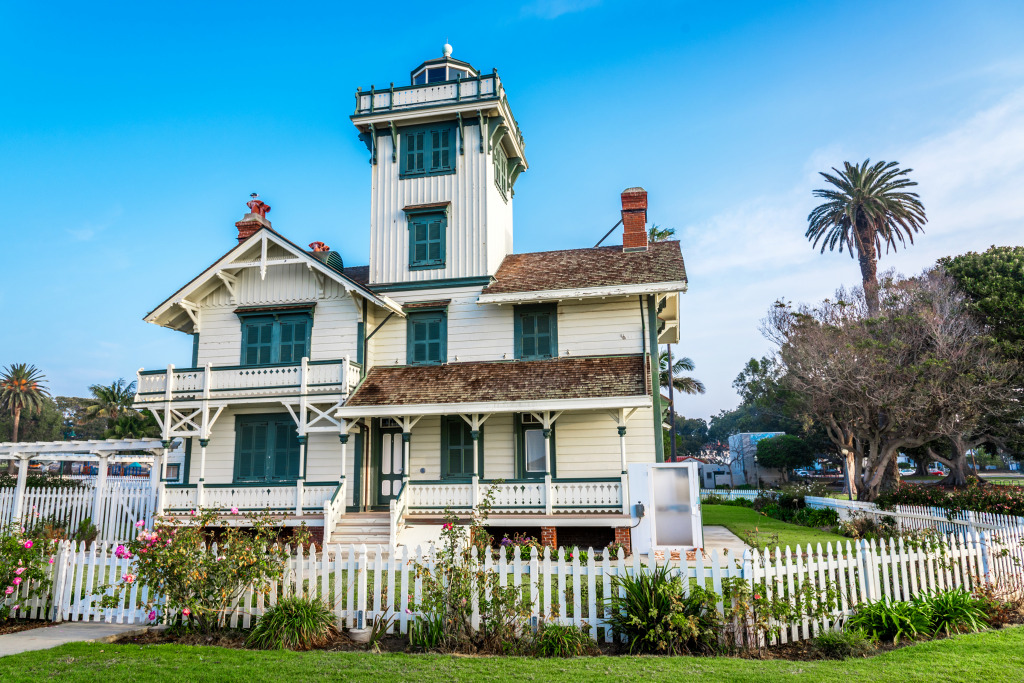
(371,528)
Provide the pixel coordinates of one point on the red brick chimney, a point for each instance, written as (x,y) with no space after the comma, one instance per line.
(254,220)
(634,219)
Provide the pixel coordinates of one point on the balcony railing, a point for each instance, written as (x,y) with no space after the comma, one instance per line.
(584,495)
(484,87)
(215,382)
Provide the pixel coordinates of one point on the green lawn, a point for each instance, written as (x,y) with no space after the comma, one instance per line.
(995,656)
(741,520)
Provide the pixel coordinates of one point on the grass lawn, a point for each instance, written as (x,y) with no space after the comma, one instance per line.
(995,656)
(740,520)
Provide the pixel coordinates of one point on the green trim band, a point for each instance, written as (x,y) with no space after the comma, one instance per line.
(434,284)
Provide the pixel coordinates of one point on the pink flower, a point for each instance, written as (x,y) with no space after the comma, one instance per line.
(16,607)
(17,580)
(195,513)
(408,611)
(152,615)
(28,545)
(139,524)
(51,560)
(19,571)
(234,511)
(9,590)
(186,612)
(129,578)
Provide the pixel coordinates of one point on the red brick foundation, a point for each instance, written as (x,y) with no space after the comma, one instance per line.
(623,538)
(549,536)
(317,535)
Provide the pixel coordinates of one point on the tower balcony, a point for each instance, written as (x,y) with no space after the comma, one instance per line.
(309,378)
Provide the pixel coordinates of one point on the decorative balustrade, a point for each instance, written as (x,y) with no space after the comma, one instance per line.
(526,496)
(436,496)
(277,498)
(413,96)
(311,378)
(587,496)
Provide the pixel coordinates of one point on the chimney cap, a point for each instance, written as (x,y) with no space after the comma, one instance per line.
(634,190)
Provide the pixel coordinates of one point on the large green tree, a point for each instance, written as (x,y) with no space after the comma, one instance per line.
(784,452)
(111,401)
(868,206)
(22,390)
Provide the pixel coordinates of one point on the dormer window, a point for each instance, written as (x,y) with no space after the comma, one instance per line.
(443,69)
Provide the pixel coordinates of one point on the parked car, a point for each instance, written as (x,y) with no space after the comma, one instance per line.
(802,473)
(936,472)
(907,471)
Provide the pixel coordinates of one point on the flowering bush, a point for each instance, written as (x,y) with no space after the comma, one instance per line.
(23,562)
(1002,500)
(200,583)
(455,582)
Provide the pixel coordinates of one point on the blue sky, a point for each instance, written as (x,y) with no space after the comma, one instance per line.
(132,134)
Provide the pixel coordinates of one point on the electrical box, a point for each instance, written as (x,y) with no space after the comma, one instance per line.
(665,506)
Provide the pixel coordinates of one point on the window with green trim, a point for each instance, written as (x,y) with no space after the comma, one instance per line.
(427,150)
(457,448)
(502,174)
(536,331)
(426,239)
(427,337)
(266,448)
(268,339)
(530,447)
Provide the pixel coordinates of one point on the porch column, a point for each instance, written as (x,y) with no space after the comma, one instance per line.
(548,502)
(624,485)
(406,436)
(201,487)
(344,464)
(475,492)
(101,484)
(299,482)
(19,494)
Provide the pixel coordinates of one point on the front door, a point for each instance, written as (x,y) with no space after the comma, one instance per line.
(389,463)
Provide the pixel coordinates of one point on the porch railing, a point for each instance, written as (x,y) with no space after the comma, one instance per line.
(276,498)
(373,101)
(583,495)
(312,377)
(334,508)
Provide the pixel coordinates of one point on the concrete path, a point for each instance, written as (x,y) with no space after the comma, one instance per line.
(719,538)
(68,632)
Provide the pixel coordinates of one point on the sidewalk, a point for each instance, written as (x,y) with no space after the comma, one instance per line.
(67,632)
(721,539)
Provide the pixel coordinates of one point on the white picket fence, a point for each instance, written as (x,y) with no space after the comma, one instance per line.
(919,517)
(363,584)
(730,494)
(119,507)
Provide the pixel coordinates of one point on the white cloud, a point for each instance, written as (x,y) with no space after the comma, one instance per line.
(742,259)
(552,9)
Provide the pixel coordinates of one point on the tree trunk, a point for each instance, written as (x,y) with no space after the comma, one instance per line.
(868,268)
(959,473)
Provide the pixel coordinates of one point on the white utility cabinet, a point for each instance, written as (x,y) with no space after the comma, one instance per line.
(670,495)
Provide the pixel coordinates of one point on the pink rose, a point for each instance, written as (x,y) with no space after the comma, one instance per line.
(186,612)
(51,560)
(28,545)
(19,571)
(129,578)
(17,580)
(139,524)
(234,511)
(152,615)
(9,590)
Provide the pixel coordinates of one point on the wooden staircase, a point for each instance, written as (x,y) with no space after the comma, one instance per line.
(356,528)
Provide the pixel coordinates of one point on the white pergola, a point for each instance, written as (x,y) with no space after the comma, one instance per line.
(103,451)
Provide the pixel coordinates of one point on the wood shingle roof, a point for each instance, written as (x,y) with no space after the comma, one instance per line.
(555,378)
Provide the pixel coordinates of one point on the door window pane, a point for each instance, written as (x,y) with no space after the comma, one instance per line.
(534,442)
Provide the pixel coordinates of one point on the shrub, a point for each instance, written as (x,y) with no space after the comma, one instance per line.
(815,518)
(522,543)
(854,642)
(1003,500)
(457,580)
(295,624)
(956,611)
(23,562)
(893,621)
(199,584)
(557,640)
(860,525)
(658,618)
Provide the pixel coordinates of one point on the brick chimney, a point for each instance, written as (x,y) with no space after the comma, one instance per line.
(634,219)
(254,220)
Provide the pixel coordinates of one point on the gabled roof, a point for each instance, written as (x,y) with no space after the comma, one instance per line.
(222,267)
(602,270)
(502,381)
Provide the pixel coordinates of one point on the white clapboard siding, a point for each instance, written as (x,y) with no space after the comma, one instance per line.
(362,584)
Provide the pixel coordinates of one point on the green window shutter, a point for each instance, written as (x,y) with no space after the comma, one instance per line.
(286,450)
(257,343)
(427,239)
(251,448)
(427,150)
(413,157)
(535,332)
(426,338)
(457,448)
(294,339)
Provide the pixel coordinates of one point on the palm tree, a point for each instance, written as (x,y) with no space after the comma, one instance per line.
(656,233)
(687,385)
(868,207)
(21,389)
(111,401)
